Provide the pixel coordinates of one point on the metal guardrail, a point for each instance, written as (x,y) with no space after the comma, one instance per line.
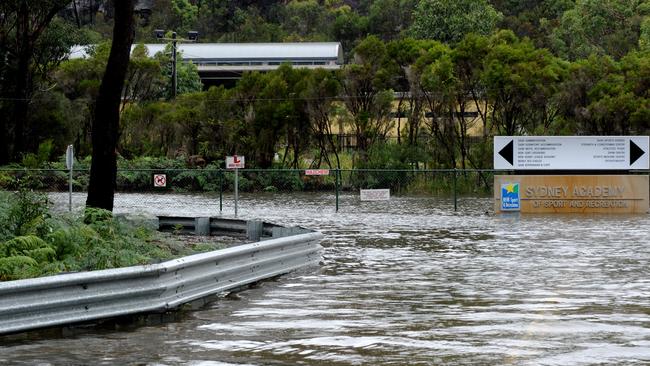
(81,297)
(251,229)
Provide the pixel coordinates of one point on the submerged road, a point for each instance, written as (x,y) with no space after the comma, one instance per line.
(404,282)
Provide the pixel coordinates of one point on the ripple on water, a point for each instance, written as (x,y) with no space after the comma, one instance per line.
(407,282)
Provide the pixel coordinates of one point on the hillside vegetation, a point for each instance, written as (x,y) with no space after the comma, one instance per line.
(515,67)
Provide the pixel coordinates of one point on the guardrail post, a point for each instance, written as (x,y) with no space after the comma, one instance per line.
(202,226)
(254,229)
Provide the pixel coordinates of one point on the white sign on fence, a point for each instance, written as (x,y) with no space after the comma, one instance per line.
(571,152)
(235,162)
(375,194)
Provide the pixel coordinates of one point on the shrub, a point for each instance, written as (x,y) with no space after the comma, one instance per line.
(32,243)
(17,267)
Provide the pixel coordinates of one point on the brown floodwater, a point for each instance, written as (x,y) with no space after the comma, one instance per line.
(403,282)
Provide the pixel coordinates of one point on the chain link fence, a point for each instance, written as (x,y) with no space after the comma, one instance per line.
(333,187)
(211,192)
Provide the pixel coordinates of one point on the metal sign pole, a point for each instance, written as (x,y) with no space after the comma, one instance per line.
(220,191)
(235,162)
(70,193)
(69,162)
(236,189)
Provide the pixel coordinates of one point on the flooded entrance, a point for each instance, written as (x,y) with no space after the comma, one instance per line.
(405,282)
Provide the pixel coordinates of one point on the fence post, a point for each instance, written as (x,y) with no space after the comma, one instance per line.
(220,190)
(455,192)
(336,184)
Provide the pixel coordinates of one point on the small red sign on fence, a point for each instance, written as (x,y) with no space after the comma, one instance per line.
(160,180)
(317,172)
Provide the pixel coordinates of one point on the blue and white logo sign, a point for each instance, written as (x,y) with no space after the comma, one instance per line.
(510,197)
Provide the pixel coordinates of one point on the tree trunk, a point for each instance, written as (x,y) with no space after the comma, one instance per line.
(105,127)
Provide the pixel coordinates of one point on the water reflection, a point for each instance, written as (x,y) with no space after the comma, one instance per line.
(408,282)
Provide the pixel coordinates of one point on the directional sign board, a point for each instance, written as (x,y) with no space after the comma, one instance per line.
(571,152)
(235,162)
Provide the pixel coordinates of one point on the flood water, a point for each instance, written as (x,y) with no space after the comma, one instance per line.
(404,282)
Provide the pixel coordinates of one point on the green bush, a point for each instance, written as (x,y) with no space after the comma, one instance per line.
(282,181)
(17,267)
(33,243)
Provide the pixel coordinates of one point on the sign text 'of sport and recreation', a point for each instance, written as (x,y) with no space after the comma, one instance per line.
(534,193)
(571,152)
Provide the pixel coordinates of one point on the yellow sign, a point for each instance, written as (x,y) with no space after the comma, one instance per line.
(572,193)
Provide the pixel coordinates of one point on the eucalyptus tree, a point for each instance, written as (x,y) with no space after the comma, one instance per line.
(450,20)
(468,56)
(520,81)
(25,58)
(365,84)
(346,25)
(389,19)
(319,92)
(602,96)
(271,114)
(402,55)
(436,82)
(303,17)
(611,27)
(105,128)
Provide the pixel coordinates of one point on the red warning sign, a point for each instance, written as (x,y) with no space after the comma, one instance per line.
(160,180)
(317,172)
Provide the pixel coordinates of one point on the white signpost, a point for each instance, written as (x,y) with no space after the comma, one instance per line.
(236,162)
(571,152)
(69,163)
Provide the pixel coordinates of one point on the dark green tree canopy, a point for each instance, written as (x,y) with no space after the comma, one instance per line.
(450,20)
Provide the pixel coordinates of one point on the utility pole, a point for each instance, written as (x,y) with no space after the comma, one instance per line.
(192,36)
(174,78)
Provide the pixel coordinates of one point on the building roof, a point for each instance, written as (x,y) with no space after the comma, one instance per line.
(200,52)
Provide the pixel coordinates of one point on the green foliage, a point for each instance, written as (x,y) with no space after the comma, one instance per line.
(509,78)
(93,215)
(26,214)
(69,243)
(450,20)
(21,245)
(186,12)
(520,81)
(16,267)
(612,28)
(273,181)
